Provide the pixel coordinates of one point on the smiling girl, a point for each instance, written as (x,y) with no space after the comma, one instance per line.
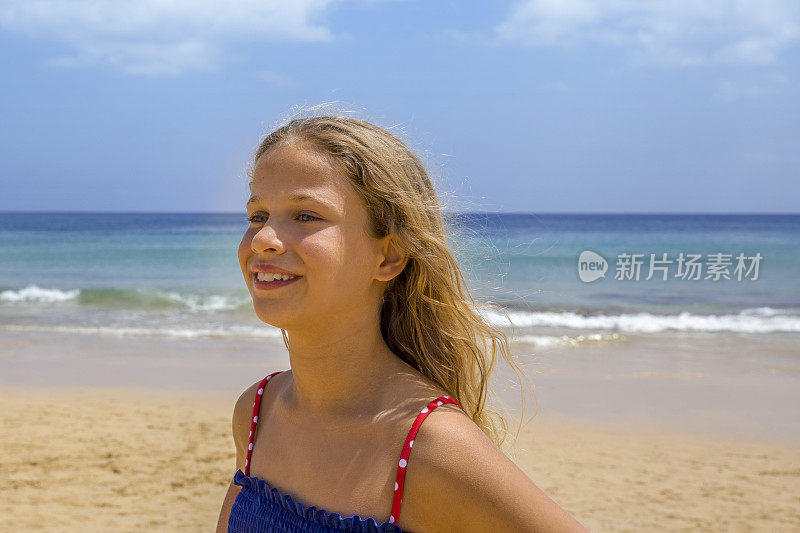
(346,252)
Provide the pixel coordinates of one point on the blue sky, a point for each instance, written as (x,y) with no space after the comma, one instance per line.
(529,106)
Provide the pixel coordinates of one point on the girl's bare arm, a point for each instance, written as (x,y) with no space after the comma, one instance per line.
(240,426)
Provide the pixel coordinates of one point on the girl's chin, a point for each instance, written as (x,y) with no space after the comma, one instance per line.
(273,318)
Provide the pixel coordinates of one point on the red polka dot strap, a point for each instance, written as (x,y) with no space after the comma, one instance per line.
(401,468)
(254,420)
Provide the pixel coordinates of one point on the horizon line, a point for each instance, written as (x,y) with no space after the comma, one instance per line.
(242,213)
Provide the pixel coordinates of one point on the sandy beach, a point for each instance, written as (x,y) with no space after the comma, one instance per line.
(142,444)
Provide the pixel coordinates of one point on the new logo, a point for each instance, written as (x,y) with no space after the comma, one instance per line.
(591,266)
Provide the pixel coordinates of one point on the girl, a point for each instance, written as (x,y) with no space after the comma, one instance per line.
(346,253)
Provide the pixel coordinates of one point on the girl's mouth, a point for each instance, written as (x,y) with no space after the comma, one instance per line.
(270,281)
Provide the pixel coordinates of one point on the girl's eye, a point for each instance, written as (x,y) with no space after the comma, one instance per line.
(262,218)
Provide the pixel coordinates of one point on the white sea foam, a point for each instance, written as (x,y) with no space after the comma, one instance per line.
(213,302)
(184,333)
(32,293)
(760,311)
(546,341)
(756,320)
(193,302)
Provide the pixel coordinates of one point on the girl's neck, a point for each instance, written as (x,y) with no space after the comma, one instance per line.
(340,372)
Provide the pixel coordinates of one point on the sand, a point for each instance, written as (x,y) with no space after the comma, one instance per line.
(113,459)
(101,433)
(130,459)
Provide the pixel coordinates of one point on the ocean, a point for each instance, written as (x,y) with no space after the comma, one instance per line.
(556,280)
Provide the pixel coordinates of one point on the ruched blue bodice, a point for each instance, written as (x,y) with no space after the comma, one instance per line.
(260,508)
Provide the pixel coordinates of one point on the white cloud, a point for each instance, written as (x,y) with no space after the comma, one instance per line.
(162,37)
(143,58)
(666,32)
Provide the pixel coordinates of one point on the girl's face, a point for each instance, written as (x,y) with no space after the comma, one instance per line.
(306,221)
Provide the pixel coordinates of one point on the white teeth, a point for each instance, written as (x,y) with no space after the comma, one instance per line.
(271,276)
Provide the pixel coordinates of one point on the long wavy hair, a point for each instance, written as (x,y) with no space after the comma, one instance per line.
(428,317)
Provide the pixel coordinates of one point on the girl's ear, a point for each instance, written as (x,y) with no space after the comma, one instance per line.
(393,259)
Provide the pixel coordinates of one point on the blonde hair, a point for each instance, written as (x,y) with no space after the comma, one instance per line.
(428,317)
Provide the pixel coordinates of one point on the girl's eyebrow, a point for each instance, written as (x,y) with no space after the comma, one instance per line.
(297,197)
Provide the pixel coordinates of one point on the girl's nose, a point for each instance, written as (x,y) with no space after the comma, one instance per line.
(266,239)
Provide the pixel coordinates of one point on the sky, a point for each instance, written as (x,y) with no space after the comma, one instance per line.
(540,106)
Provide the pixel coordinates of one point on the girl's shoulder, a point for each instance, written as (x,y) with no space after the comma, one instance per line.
(243,409)
(459,479)
(242,414)
(248,395)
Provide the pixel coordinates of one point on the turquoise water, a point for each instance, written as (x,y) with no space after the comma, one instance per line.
(177,275)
